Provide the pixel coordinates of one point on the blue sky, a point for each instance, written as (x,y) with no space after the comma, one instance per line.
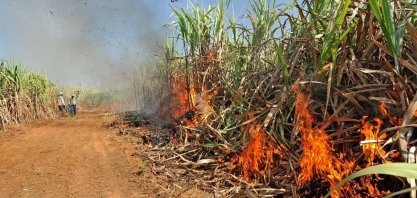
(96,42)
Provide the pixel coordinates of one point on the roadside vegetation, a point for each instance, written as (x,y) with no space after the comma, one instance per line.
(24,95)
(297,99)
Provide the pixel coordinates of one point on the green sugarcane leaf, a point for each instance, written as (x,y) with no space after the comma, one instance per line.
(389,26)
(330,45)
(396,169)
(401,192)
(399,37)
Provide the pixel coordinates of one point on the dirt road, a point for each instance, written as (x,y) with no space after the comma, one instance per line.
(72,157)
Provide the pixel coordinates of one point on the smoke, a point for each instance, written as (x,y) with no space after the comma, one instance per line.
(94,42)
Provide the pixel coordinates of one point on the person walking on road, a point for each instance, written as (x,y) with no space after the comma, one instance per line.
(61,103)
(73,103)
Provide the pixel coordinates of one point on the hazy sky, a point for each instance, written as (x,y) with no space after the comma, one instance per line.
(97,42)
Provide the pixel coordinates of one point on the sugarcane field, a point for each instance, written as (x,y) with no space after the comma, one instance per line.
(208,98)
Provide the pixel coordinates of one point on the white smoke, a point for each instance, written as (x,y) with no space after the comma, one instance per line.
(93,41)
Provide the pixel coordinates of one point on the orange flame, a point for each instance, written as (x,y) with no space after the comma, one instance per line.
(318,158)
(183,100)
(258,155)
(371,130)
(371,187)
(383,109)
(179,101)
(393,120)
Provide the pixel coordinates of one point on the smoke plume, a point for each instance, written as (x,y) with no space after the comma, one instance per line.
(90,42)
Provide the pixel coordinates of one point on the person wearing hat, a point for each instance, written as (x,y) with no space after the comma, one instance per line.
(61,103)
(73,103)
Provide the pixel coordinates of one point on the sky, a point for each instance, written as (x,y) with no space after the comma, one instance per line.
(91,43)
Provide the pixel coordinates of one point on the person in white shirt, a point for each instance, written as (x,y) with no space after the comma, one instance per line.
(73,103)
(61,103)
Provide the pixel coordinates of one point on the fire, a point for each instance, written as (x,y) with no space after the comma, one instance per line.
(383,109)
(210,58)
(318,158)
(371,130)
(179,102)
(185,106)
(258,154)
(393,120)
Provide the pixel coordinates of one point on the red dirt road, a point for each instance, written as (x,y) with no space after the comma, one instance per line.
(72,157)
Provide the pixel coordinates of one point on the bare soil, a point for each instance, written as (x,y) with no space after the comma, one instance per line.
(76,157)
